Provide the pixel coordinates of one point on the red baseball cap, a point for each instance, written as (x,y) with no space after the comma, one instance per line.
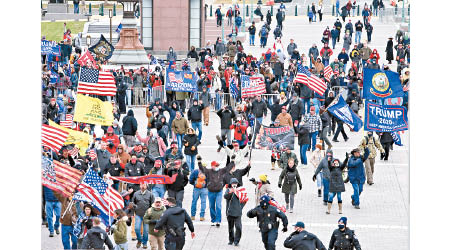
(214,163)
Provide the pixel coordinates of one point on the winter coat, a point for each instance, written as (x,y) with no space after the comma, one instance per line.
(314,51)
(345,240)
(303,135)
(389,50)
(355,167)
(215,178)
(120,233)
(180,126)
(323,166)
(285,120)
(268,216)
(290,48)
(365,53)
(190,140)
(372,144)
(263,189)
(289,188)
(152,215)
(316,157)
(336,181)
(347,43)
(386,138)
(240,155)
(102,160)
(259,108)
(182,178)
(284,159)
(195,113)
(226,116)
(303,241)
(220,49)
(343,56)
(296,109)
(238,173)
(129,124)
(174,217)
(142,201)
(96,238)
(234,206)
(232,50)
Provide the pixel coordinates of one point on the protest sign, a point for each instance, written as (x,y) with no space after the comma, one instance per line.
(270,137)
(385,118)
(181,81)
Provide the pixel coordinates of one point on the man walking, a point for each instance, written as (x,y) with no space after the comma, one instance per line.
(252,32)
(372,144)
(323,166)
(234,212)
(142,200)
(52,207)
(195,116)
(314,123)
(218,17)
(300,239)
(356,173)
(179,128)
(198,180)
(343,238)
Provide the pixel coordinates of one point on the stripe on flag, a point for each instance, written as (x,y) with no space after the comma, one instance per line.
(313,82)
(60,177)
(92,154)
(252,86)
(94,82)
(68,122)
(52,137)
(328,72)
(74,152)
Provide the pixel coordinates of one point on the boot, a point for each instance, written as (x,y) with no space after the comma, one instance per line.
(319,192)
(328,207)
(273,165)
(340,208)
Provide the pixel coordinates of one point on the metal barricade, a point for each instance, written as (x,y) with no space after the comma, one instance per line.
(142,97)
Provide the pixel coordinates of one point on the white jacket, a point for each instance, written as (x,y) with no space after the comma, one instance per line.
(316,157)
(239,160)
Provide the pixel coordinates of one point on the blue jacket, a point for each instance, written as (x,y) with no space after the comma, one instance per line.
(48,195)
(334,33)
(343,56)
(238,21)
(193,177)
(60,103)
(356,168)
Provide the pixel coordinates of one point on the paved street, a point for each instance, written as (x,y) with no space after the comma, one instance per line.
(381,223)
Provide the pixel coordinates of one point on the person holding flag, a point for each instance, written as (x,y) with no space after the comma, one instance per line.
(372,144)
(234,212)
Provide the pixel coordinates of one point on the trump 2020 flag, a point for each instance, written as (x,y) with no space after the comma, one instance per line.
(379,84)
(339,108)
(385,118)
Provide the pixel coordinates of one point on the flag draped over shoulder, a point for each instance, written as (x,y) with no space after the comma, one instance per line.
(78,138)
(102,50)
(149,179)
(93,110)
(60,177)
(102,196)
(339,108)
(95,82)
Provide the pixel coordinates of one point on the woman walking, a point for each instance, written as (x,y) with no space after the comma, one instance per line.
(290,176)
(336,182)
(84,223)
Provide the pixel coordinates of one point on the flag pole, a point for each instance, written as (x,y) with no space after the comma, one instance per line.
(251,149)
(71,202)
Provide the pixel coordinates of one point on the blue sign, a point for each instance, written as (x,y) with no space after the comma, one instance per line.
(379,84)
(50,47)
(385,118)
(339,108)
(181,81)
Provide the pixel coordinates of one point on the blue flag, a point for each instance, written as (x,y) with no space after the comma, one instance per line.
(397,138)
(119,28)
(339,108)
(379,84)
(385,118)
(233,89)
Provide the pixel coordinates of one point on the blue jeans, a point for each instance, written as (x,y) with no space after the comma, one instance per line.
(215,206)
(319,180)
(67,236)
(198,125)
(202,193)
(333,42)
(337,11)
(76,8)
(190,161)
(313,139)
(303,149)
(269,238)
(50,207)
(357,190)
(326,62)
(180,141)
(331,197)
(158,191)
(137,228)
(326,188)
(358,37)
(252,39)
(306,102)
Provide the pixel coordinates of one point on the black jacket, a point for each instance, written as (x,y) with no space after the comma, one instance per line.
(142,201)
(386,138)
(267,216)
(303,241)
(195,113)
(134,170)
(215,178)
(238,173)
(259,108)
(191,140)
(303,135)
(345,240)
(296,109)
(326,119)
(275,110)
(173,218)
(95,239)
(234,206)
(225,117)
(113,169)
(129,124)
(182,178)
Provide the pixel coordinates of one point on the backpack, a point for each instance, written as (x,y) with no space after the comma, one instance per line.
(367,140)
(290,177)
(200,182)
(263,32)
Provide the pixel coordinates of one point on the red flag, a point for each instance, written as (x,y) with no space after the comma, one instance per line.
(149,179)
(242,194)
(52,137)
(87,60)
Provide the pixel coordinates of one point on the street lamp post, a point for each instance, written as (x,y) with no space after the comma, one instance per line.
(88,41)
(251,14)
(403,11)
(110,25)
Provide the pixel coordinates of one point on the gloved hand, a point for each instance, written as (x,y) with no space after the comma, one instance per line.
(300,187)
(279,185)
(314,177)
(199,158)
(233,157)
(346,155)
(284,230)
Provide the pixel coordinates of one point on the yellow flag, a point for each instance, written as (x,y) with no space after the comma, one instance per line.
(78,138)
(94,111)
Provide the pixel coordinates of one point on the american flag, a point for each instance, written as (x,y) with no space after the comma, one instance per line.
(313,82)
(60,177)
(328,72)
(52,137)
(74,152)
(274,203)
(68,122)
(242,194)
(233,88)
(92,154)
(103,197)
(87,60)
(96,82)
(252,86)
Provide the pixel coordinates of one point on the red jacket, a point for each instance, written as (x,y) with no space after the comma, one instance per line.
(114,139)
(239,131)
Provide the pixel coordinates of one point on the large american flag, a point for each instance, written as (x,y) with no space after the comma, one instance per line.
(60,177)
(328,72)
(102,196)
(313,82)
(95,82)
(68,122)
(52,137)
(87,60)
(252,86)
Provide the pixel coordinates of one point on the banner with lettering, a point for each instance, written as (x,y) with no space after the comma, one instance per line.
(93,110)
(50,47)
(181,81)
(385,118)
(269,137)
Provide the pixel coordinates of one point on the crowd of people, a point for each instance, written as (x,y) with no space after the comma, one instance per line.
(174,132)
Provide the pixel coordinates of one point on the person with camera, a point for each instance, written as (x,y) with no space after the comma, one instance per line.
(268,222)
(142,200)
(112,140)
(301,239)
(119,230)
(96,237)
(172,221)
(152,215)
(234,212)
